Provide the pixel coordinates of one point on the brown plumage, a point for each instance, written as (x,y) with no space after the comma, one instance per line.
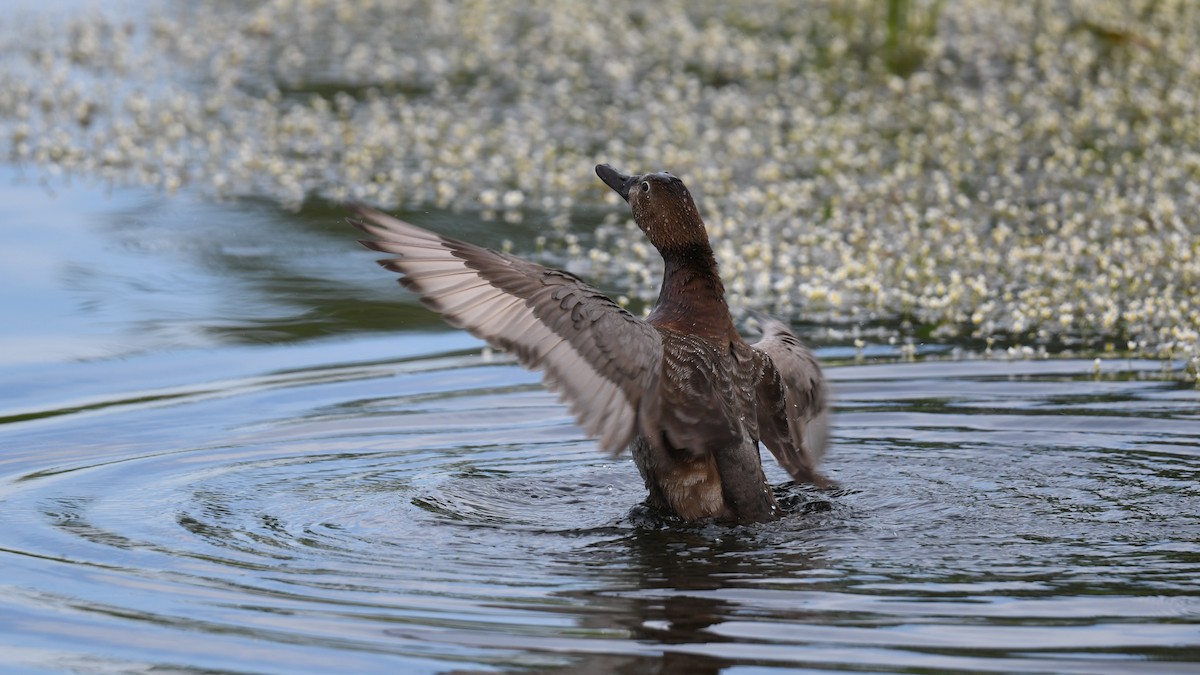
(681,388)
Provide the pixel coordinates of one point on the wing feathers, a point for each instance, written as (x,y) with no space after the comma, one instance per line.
(792,407)
(598,357)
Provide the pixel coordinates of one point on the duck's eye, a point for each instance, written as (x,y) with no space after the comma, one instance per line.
(645,186)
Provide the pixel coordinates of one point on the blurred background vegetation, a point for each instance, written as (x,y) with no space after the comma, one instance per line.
(1018,171)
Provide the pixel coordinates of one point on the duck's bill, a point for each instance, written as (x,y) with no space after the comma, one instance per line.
(615,180)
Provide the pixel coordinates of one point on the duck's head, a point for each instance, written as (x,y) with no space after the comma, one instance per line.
(662,207)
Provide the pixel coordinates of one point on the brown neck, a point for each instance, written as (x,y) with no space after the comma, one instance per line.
(692,299)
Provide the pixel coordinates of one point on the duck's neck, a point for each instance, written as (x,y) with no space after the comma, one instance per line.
(692,298)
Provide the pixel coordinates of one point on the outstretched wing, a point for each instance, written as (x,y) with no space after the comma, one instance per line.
(793,411)
(597,356)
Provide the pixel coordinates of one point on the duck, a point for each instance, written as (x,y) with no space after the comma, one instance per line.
(681,389)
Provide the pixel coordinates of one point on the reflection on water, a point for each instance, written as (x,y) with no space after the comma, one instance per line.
(439,511)
(283,467)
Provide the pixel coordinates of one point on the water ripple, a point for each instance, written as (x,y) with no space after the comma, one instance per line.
(443,512)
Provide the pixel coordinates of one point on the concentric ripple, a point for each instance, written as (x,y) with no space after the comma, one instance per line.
(442,512)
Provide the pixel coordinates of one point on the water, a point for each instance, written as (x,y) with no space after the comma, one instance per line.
(229,443)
